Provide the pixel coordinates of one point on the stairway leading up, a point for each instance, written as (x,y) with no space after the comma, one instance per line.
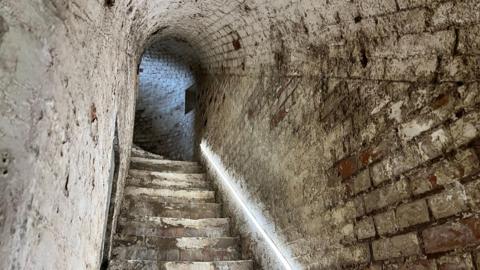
(170,220)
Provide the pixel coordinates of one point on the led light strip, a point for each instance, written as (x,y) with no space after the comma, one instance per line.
(226,180)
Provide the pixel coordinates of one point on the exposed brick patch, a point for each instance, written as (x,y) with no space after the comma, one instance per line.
(359,206)
(440,101)
(452,235)
(412,214)
(361,182)
(397,246)
(472,190)
(380,173)
(465,129)
(386,223)
(355,255)
(347,167)
(422,264)
(448,203)
(370,155)
(444,172)
(384,121)
(365,228)
(458,262)
(387,195)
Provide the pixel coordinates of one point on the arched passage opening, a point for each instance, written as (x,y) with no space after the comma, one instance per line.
(164,116)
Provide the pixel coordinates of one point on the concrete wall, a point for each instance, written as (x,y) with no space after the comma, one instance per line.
(161,124)
(343,118)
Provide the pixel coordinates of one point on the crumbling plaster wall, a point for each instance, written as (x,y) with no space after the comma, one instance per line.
(67,74)
(344,118)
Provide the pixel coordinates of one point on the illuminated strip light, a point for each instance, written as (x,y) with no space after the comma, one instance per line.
(225,179)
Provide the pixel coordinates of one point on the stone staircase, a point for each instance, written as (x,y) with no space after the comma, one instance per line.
(170,220)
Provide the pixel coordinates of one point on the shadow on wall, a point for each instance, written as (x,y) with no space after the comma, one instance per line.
(162,126)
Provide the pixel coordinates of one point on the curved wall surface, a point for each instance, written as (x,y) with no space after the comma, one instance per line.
(344,119)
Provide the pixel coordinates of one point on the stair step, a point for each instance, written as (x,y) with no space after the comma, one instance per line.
(171,195)
(170,176)
(162,165)
(174,227)
(176,249)
(169,185)
(139,152)
(162,265)
(167,180)
(165,209)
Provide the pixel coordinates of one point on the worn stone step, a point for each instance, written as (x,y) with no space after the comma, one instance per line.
(170,195)
(132,207)
(162,165)
(167,180)
(171,176)
(218,265)
(162,265)
(139,152)
(168,184)
(176,249)
(174,227)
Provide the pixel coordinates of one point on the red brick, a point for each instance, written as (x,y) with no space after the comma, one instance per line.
(370,155)
(440,101)
(452,235)
(347,167)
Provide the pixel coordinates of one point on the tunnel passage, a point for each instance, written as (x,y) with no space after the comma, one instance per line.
(344,119)
(163,121)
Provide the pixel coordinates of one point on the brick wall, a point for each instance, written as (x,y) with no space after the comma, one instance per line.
(161,124)
(355,124)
